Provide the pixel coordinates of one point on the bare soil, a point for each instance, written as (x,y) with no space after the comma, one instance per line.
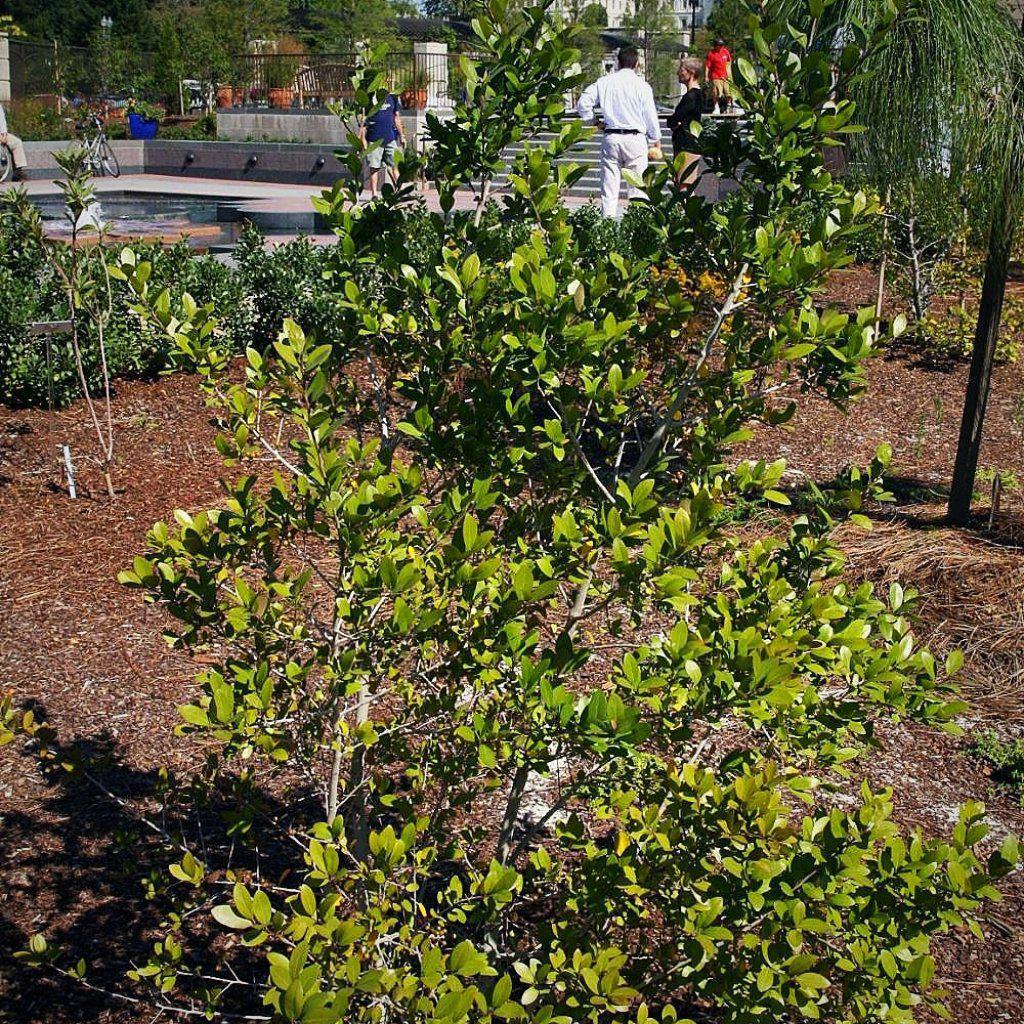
(89,657)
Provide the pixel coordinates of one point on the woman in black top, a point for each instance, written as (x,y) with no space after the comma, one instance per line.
(688,110)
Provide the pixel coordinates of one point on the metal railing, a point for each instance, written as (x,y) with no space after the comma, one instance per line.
(310,81)
(41,70)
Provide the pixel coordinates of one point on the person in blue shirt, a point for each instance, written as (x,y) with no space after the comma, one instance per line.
(382,132)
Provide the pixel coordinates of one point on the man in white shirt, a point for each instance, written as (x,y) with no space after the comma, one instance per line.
(14,144)
(629,122)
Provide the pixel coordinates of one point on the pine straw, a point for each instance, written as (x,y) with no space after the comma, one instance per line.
(971,597)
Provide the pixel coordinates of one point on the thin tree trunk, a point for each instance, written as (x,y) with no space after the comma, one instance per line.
(508,821)
(883,265)
(384,423)
(106,444)
(334,782)
(359,819)
(990,311)
(522,775)
(485,192)
(915,271)
(654,445)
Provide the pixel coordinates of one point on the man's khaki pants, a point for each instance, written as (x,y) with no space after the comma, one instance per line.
(619,153)
(17,148)
(721,96)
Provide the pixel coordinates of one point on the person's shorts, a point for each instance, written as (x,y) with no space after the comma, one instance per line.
(381,155)
(720,88)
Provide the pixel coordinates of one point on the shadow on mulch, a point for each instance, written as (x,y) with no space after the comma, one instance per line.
(74,855)
(908,349)
(78,869)
(921,505)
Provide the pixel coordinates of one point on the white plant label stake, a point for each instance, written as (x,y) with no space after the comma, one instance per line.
(70,469)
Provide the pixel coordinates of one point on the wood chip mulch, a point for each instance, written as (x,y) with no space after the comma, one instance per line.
(88,655)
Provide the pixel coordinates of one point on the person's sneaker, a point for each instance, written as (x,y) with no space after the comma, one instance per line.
(19,174)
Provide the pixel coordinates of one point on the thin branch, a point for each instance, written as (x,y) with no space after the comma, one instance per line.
(580,454)
(164,1007)
(657,440)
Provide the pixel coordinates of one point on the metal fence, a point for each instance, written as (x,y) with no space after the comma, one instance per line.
(37,69)
(310,81)
(51,70)
(299,81)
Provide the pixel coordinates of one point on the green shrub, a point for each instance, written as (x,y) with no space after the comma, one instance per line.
(947,330)
(287,280)
(37,121)
(30,291)
(201,129)
(1006,758)
(559,744)
(514,723)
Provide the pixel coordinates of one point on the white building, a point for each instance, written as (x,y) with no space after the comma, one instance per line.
(684,10)
(619,11)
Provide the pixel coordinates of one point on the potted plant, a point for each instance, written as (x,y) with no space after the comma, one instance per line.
(143,119)
(280,78)
(414,97)
(239,73)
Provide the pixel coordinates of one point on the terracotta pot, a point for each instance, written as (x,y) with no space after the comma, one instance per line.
(225,96)
(280,98)
(237,97)
(414,99)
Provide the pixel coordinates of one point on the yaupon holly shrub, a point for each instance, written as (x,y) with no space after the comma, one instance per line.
(506,721)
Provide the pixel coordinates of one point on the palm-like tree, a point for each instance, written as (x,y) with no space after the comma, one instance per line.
(943,96)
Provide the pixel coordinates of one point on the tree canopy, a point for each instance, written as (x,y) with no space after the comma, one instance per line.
(71,21)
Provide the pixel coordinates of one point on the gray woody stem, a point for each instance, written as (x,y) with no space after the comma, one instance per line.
(519,780)
(508,821)
(883,264)
(657,440)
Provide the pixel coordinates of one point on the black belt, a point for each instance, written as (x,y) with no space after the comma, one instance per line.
(623,131)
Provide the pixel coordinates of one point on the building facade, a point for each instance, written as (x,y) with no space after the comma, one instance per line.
(618,12)
(689,13)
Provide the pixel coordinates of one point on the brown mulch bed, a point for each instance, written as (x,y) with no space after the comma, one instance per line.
(89,655)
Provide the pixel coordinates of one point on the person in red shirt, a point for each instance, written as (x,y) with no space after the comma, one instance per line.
(718,66)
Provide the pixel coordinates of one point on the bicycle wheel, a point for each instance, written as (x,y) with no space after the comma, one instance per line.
(6,163)
(108,160)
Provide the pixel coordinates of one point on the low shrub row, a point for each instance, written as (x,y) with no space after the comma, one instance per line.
(35,120)
(39,370)
(265,286)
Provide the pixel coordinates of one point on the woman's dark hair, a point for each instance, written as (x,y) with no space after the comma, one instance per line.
(629,56)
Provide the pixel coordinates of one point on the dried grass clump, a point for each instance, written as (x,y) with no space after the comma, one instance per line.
(972,597)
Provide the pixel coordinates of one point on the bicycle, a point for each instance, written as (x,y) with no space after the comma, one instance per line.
(6,163)
(98,151)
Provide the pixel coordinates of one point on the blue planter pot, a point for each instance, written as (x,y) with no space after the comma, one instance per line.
(142,127)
